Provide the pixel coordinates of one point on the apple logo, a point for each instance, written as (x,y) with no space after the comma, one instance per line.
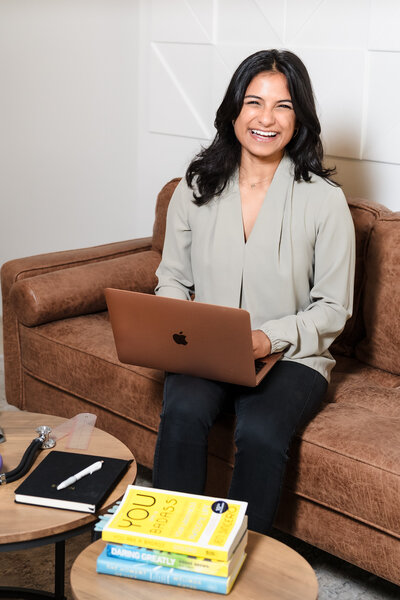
(180,338)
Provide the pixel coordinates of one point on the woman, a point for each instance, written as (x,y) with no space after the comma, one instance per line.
(257,224)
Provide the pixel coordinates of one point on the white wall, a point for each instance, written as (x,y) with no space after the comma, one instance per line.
(103,101)
(68,123)
(351,49)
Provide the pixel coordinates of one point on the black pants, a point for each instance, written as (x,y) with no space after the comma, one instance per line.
(267,417)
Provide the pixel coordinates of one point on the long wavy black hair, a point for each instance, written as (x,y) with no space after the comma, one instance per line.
(212,168)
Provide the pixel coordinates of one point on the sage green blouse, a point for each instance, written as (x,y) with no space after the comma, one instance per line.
(294,275)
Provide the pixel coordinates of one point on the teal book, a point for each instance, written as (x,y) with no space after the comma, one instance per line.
(158,574)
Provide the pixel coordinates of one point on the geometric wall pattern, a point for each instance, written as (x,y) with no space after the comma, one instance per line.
(352,52)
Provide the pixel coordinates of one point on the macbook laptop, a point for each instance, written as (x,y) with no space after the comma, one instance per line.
(180,336)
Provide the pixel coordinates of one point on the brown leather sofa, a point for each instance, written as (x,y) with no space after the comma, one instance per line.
(342,489)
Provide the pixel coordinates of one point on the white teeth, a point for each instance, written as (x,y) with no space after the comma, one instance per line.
(264,133)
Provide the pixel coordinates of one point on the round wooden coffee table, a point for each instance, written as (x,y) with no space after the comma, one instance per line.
(271,571)
(24,526)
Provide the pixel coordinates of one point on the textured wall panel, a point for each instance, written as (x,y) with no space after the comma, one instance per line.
(384,25)
(233,54)
(180,21)
(275,13)
(338,80)
(382,136)
(204,12)
(244,22)
(327,23)
(164,157)
(373,180)
(179,102)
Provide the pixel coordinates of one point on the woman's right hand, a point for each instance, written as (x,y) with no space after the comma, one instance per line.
(261,344)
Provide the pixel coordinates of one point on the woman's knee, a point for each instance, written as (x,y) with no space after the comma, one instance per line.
(190,401)
(260,442)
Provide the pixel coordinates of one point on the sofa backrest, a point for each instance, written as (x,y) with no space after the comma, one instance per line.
(163,199)
(380,346)
(373,332)
(365,215)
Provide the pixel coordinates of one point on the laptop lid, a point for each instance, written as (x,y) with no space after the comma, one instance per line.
(180,336)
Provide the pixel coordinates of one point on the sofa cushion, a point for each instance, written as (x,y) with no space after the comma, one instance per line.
(348,456)
(381,344)
(349,461)
(78,355)
(359,384)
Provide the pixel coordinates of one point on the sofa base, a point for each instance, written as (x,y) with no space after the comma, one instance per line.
(358,543)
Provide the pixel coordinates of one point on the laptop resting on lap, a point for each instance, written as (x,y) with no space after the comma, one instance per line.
(181,336)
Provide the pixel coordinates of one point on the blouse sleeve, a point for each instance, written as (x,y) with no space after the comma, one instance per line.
(311,331)
(175,279)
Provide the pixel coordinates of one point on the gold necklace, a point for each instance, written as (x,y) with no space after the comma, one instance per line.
(253,185)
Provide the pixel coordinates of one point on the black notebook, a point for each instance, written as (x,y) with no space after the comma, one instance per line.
(85,495)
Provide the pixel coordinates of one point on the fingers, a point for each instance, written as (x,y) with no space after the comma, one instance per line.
(261,344)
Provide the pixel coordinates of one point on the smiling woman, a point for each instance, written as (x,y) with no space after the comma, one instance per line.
(254,225)
(267,121)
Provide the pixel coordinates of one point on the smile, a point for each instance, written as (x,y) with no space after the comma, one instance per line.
(264,134)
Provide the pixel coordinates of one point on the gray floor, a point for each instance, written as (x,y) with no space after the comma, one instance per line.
(337,579)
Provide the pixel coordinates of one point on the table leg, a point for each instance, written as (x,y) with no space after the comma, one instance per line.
(59,571)
(59,577)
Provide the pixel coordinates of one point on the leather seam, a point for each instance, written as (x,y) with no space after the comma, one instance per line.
(88,400)
(342,512)
(60,266)
(358,460)
(91,355)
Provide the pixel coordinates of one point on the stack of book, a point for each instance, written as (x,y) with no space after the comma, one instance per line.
(174,538)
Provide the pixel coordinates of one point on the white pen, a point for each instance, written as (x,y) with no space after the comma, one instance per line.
(88,471)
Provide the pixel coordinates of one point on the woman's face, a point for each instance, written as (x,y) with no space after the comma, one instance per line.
(266,123)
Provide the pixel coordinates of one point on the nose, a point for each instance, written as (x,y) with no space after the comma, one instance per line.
(266,117)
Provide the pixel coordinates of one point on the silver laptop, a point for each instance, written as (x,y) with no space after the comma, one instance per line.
(180,336)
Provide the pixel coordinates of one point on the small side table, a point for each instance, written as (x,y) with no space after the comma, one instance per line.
(24,526)
(271,571)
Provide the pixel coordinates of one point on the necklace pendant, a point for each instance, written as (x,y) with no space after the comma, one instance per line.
(253,185)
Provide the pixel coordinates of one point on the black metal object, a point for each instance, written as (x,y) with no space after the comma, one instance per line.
(42,441)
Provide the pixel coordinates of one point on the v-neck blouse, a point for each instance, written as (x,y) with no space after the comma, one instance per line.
(294,274)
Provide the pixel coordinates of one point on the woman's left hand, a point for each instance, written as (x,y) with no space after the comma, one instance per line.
(261,344)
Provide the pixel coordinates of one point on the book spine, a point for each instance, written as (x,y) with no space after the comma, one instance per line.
(175,577)
(167,559)
(109,535)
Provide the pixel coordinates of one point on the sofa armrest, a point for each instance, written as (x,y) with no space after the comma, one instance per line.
(33,266)
(79,290)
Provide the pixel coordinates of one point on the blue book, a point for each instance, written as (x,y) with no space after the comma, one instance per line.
(148,572)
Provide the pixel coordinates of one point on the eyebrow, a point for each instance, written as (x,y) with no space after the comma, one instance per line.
(259,98)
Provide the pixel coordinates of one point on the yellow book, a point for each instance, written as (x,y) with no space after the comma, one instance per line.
(199,526)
